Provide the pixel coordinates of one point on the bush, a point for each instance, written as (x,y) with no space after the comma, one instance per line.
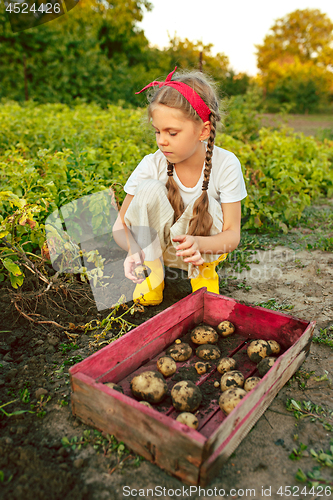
(62,153)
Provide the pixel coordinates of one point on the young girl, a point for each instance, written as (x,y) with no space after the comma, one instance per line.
(183,203)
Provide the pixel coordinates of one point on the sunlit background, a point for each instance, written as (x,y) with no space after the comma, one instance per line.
(233,28)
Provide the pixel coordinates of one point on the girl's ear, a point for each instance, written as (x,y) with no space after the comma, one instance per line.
(205,132)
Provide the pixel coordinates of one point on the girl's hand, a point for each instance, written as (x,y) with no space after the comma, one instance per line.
(189,249)
(130,263)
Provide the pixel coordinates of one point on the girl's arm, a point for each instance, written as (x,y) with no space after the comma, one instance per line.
(228,240)
(123,237)
(121,233)
(192,247)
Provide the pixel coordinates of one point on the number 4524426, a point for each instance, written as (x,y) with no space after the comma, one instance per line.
(296,491)
(23,8)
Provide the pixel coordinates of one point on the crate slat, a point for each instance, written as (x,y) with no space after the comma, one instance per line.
(144,430)
(215,461)
(254,322)
(263,388)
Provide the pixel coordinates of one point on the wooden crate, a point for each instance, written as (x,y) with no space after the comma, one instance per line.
(194,456)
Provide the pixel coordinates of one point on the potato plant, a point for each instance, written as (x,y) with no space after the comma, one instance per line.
(63,153)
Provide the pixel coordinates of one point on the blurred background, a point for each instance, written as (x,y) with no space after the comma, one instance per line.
(104,51)
(71,123)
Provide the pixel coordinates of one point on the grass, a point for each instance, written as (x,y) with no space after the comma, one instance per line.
(325,336)
(274,305)
(314,230)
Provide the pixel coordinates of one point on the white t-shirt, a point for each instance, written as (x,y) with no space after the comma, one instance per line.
(226,183)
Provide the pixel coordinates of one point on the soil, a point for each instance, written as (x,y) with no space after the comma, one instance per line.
(40,338)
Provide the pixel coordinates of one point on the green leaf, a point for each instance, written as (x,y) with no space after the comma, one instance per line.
(295,404)
(300,476)
(65,441)
(11,267)
(16,281)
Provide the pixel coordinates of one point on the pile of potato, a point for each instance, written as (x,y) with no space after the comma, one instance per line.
(150,386)
(260,351)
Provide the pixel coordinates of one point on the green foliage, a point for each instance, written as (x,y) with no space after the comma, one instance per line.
(300,377)
(314,478)
(242,121)
(294,62)
(62,154)
(40,407)
(14,413)
(108,445)
(307,409)
(325,336)
(305,33)
(99,54)
(24,395)
(243,256)
(100,443)
(68,347)
(284,173)
(274,305)
(297,454)
(81,56)
(3,478)
(114,320)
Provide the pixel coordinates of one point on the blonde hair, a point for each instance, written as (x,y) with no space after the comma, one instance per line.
(201,222)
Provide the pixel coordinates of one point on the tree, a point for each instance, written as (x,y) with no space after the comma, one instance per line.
(302,86)
(295,62)
(195,55)
(306,34)
(79,55)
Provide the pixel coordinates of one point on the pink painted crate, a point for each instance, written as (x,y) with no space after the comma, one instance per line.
(194,456)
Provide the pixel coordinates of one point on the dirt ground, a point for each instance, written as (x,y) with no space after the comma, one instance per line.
(34,362)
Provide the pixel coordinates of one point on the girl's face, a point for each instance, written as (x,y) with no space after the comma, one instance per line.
(177,137)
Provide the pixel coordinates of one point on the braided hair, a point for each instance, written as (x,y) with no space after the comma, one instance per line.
(201,222)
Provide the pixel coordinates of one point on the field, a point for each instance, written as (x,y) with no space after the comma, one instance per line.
(315,125)
(284,262)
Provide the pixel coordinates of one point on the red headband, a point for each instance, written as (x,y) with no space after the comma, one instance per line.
(190,95)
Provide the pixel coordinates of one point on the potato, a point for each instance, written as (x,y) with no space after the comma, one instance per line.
(275,347)
(225,328)
(204,334)
(180,352)
(115,387)
(265,365)
(166,365)
(149,386)
(208,352)
(145,403)
(201,367)
(226,365)
(188,419)
(230,399)
(141,272)
(250,383)
(186,396)
(231,379)
(258,350)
